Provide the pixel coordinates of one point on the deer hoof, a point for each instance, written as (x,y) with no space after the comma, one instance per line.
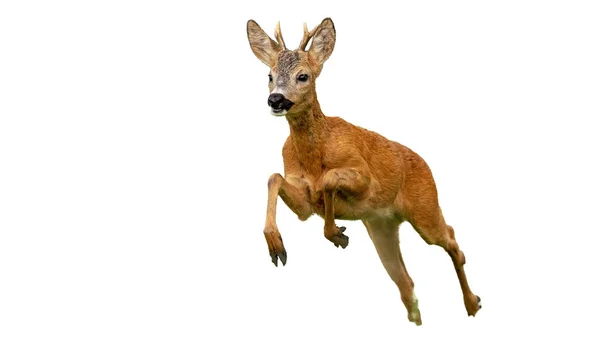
(340,239)
(415,317)
(276,248)
(278,255)
(474,306)
(414,314)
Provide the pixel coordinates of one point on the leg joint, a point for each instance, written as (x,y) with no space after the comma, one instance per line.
(274,179)
(347,179)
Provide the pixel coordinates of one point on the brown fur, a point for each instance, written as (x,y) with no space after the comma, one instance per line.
(341,171)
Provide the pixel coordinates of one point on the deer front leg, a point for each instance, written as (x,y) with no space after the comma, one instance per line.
(352,184)
(296,200)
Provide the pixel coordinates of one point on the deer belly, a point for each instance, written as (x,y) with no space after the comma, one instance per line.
(344,207)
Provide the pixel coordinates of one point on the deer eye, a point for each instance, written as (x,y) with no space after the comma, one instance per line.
(270,78)
(302,77)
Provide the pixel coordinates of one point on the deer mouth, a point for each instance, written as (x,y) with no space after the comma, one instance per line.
(280,106)
(278,112)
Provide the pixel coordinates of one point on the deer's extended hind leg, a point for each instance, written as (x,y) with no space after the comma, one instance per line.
(296,200)
(430,224)
(384,235)
(349,182)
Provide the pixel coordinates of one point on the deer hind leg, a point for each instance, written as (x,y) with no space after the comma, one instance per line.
(430,224)
(348,182)
(296,200)
(384,235)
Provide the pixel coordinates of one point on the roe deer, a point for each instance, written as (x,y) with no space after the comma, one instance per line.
(341,171)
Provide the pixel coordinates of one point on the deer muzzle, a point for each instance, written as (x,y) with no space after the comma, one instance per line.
(279,104)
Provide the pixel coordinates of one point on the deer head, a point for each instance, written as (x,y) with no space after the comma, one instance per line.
(293,72)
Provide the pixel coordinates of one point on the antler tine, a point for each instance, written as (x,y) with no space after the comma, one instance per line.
(307,36)
(278,36)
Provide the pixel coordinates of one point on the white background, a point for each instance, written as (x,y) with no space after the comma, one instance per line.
(136,144)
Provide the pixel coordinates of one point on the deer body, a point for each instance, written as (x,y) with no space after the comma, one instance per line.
(371,155)
(341,171)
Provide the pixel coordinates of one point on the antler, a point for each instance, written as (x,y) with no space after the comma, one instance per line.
(307,36)
(279,37)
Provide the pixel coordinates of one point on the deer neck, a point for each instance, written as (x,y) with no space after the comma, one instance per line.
(308,132)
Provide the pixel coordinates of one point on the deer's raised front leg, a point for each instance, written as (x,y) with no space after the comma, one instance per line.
(296,200)
(348,182)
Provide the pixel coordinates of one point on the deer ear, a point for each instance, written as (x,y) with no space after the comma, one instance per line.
(262,45)
(323,42)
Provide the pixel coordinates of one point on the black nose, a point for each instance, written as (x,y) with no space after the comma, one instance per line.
(276,100)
